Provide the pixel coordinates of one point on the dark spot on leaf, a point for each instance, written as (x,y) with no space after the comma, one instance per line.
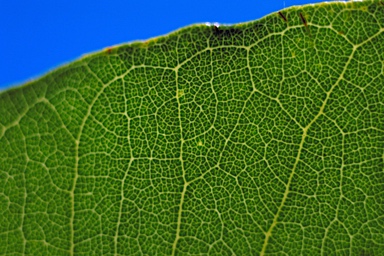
(216,29)
(226,32)
(305,23)
(108,50)
(283,16)
(303,19)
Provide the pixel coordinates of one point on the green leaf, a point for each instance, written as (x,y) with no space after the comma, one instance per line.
(259,138)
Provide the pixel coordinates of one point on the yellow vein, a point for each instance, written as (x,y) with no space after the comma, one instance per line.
(177,237)
(305,130)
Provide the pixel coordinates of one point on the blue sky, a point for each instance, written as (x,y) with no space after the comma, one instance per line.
(37,36)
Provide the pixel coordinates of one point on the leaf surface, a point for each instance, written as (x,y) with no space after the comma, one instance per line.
(260,138)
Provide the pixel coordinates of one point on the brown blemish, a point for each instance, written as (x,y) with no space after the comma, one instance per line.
(305,23)
(303,19)
(283,16)
(108,50)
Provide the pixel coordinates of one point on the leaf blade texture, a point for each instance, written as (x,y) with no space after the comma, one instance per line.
(263,138)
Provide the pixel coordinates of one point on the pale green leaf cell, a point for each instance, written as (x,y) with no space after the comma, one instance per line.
(263,138)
